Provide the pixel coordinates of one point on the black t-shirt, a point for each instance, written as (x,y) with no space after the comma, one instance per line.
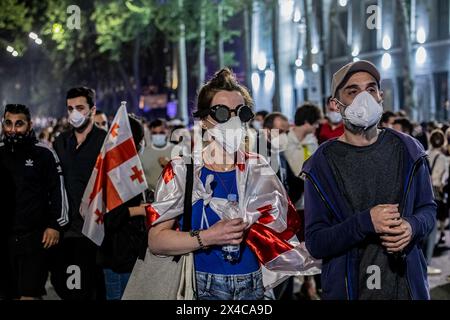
(367,177)
(77,166)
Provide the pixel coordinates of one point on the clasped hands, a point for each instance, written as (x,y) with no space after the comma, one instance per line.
(395,232)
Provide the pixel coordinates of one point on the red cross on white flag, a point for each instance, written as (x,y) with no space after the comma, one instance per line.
(117,177)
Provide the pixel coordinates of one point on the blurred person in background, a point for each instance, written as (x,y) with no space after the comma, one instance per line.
(302,142)
(258,121)
(387,119)
(101,120)
(332,127)
(403,125)
(157,154)
(439,168)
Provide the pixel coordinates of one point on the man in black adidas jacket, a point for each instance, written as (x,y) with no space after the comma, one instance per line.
(38,210)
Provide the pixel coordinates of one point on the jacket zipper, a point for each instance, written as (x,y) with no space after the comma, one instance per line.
(411,176)
(308,176)
(410,179)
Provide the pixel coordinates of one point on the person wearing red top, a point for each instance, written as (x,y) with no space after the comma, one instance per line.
(333,127)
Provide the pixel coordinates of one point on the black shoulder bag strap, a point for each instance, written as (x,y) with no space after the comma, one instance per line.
(434,162)
(187,211)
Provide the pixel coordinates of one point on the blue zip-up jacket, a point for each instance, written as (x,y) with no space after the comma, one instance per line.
(333,233)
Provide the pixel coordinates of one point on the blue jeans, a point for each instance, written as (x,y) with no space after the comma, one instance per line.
(230,287)
(115,284)
(429,244)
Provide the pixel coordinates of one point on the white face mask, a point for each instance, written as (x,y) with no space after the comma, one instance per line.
(335,117)
(159,140)
(364,111)
(257,125)
(77,119)
(229,134)
(280,142)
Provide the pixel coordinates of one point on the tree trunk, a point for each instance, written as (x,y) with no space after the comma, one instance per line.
(408,76)
(341,34)
(276,99)
(308,22)
(182,71)
(248,9)
(202,45)
(136,73)
(220,50)
(126,81)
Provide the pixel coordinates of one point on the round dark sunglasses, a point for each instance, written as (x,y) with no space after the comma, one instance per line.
(222,113)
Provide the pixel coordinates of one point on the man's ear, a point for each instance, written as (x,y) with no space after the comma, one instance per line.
(381,94)
(334,106)
(93,111)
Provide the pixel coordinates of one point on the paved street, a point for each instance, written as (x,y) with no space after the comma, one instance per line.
(440,287)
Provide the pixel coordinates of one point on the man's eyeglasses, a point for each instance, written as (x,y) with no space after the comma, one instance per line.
(222,113)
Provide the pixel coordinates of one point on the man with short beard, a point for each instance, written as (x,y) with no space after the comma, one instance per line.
(75,272)
(35,209)
(368,199)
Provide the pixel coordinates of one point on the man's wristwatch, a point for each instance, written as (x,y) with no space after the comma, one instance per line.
(196,234)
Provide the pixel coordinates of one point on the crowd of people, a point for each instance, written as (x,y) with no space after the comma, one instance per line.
(356,187)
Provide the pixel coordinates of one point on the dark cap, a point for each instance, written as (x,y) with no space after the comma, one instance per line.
(343,74)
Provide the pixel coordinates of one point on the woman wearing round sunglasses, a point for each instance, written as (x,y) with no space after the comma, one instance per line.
(237,201)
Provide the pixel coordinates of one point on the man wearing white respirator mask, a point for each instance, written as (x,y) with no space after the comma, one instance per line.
(77,150)
(368,199)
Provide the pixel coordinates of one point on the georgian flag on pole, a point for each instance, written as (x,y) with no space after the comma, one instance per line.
(117,177)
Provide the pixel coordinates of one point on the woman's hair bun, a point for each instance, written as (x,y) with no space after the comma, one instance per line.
(224,78)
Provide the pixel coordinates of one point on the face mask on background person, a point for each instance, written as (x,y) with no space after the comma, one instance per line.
(257,125)
(364,111)
(334,117)
(280,142)
(229,134)
(159,140)
(77,119)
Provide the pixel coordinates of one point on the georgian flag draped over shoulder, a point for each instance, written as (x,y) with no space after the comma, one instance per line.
(117,177)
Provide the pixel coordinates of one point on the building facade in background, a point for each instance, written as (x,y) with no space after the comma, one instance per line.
(297,46)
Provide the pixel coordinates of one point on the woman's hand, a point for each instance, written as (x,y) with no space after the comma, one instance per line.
(224,232)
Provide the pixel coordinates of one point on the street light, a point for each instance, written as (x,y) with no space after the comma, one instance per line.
(315,68)
(355,51)
(15,53)
(256,81)
(33,35)
(386,61)
(387,43)
(262,61)
(297,15)
(38,41)
(269,79)
(9,49)
(298,62)
(421,35)
(299,77)
(343,3)
(421,55)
